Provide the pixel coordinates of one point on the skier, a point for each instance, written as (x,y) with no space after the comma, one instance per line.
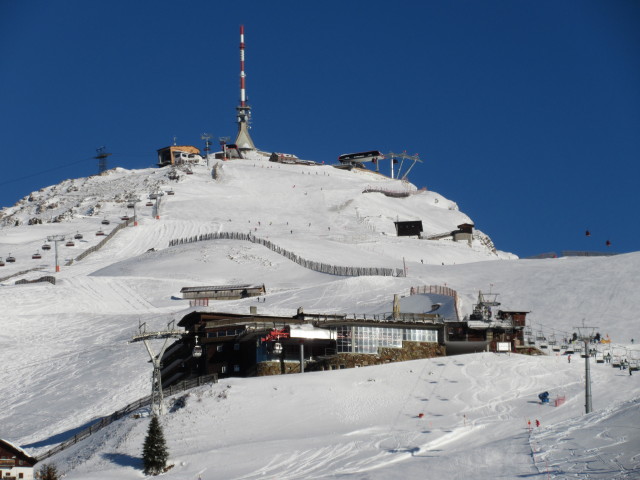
(569,358)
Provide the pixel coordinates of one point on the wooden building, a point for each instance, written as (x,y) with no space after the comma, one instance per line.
(408,228)
(178,154)
(15,463)
(232,344)
(223,292)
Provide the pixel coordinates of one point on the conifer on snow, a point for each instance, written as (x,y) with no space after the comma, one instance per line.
(154,450)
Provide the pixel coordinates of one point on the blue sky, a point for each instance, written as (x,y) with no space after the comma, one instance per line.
(526,113)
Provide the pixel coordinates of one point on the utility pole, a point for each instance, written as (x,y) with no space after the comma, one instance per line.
(586,334)
(56,239)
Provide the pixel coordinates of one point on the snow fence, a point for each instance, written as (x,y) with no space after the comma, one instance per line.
(303,262)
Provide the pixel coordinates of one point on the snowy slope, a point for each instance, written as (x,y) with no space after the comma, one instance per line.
(68,362)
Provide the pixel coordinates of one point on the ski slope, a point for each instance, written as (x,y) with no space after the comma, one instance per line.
(68,361)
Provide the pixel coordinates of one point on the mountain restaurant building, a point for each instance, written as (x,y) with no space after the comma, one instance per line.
(232,344)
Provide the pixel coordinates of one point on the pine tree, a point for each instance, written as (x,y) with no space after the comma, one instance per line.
(154,451)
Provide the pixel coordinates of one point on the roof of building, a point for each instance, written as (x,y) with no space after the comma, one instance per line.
(216,288)
(19,453)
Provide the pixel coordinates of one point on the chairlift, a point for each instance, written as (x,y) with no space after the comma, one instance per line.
(36,256)
(78,236)
(46,246)
(11,259)
(70,244)
(105,222)
(170,192)
(131,205)
(99,233)
(197,350)
(124,218)
(149,204)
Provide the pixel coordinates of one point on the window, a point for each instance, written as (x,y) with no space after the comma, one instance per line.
(223,369)
(219,348)
(236,368)
(236,346)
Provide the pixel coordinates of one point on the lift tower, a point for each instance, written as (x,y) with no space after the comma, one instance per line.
(586,335)
(157,399)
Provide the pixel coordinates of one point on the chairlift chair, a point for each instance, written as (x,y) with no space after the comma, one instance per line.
(78,236)
(99,233)
(70,244)
(36,256)
(149,204)
(45,246)
(1,262)
(105,222)
(131,205)
(124,218)
(11,259)
(170,192)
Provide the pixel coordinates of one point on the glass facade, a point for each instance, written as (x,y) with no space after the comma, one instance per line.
(361,339)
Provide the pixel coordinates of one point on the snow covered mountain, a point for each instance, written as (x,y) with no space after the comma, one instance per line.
(67,361)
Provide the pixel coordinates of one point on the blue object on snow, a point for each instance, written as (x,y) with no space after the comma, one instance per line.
(544,397)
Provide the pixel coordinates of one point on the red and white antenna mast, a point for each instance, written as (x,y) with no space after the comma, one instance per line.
(243,95)
(243,140)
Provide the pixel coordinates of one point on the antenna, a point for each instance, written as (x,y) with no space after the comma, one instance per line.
(174,140)
(243,114)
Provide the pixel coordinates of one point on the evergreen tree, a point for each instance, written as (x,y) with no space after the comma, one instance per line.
(154,451)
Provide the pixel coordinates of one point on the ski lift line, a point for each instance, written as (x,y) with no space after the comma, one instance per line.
(48,170)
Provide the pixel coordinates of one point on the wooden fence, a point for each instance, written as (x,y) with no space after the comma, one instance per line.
(132,407)
(102,242)
(303,262)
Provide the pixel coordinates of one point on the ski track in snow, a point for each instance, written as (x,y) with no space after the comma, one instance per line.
(68,362)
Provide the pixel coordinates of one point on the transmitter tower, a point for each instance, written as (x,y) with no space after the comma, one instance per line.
(243,140)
